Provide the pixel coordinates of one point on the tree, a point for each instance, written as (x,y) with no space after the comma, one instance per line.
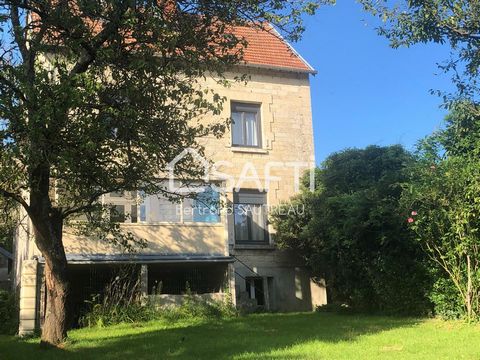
(444,193)
(99,96)
(446,198)
(444,184)
(353,234)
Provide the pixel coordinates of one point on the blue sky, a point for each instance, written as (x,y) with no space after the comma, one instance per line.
(365,92)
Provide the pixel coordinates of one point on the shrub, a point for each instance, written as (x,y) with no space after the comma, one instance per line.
(8,313)
(351,232)
(102,314)
(447,303)
(121,303)
(196,307)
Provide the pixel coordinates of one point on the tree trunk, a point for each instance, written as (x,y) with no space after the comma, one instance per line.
(55,325)
(48,237)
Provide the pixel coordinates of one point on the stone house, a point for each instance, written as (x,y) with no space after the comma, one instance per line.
(213,254)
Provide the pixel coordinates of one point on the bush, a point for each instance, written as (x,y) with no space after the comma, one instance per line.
(8,313)
(103,315)
(121,303)
(196,307)
(447,303)
(352,232)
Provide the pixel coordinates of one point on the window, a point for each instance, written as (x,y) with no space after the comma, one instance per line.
(123,206)
(117,213)
(133,207)
(158,208)
(246,129)
(206,207)
(250,218)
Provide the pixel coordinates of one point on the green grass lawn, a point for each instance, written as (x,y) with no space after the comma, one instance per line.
(269,336)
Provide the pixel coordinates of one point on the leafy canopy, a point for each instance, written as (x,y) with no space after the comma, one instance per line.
(444,190)
(353,234)
(99,96)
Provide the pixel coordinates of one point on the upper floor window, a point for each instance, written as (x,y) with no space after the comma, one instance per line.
(246,125)
(250,217)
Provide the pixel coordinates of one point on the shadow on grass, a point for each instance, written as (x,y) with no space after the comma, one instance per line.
(246,337)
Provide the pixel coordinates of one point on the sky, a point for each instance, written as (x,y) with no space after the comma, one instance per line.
(366,92)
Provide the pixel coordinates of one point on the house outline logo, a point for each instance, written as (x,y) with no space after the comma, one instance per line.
(171,171)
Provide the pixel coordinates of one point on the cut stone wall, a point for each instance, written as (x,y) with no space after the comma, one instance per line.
(290,288)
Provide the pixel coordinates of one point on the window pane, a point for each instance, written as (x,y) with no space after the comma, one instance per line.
(187,209)
(251,136)
(143,212)
(241,223)
(159,208)
(133,214)
(117,213)
(205,207)
(257,223)
(237,128)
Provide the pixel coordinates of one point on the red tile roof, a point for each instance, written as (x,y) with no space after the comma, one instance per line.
(266,48)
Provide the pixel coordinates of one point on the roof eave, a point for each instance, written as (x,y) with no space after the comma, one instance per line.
(282,68)
(74,259)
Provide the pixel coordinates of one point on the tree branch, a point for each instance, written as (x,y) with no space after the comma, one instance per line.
(462,32)
(17,198)
(90,50)
(18,32)
(12,87)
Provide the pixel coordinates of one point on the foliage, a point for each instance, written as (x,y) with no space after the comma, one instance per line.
(102,315)
(308,336)
(121,302)
(353,234)
(445,297)
(444,185)
(100,96)
(446,198)
(444,192)
(192,308)
(8,313)
(195,307)
(8,223)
